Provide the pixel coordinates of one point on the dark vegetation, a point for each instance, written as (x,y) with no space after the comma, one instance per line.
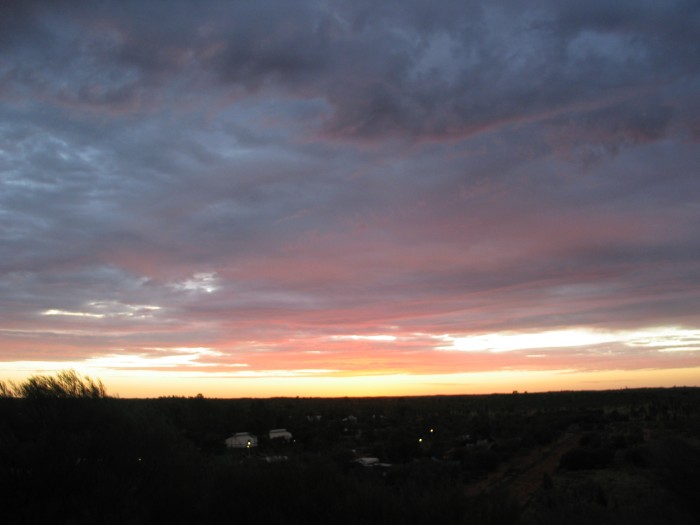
(69,453)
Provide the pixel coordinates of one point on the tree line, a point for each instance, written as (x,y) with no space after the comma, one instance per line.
(70,453)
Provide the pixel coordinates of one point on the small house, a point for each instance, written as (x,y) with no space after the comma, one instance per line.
(280,433)
(242,440)
(373,463)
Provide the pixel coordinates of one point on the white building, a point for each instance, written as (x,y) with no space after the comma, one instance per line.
(280,433)
(372,463)
(242,440)
(367,462)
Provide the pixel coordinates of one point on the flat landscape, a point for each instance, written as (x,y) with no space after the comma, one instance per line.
(72,454)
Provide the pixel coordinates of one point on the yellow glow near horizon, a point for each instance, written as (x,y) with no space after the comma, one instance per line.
(401,385)
(316,383)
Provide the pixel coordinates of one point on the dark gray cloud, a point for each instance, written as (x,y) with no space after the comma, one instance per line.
(279,168)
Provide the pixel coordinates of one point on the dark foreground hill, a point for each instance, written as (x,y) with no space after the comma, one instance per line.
(69,453)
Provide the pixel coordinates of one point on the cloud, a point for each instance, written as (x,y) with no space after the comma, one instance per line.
(206,174)
(398,70)
(199,282)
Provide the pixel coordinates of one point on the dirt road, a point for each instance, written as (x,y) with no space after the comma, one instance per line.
(523,476)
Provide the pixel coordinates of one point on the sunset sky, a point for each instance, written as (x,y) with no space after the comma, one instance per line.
(330,198)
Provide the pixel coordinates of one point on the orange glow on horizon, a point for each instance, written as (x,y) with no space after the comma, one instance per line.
(391,364)
(140,384)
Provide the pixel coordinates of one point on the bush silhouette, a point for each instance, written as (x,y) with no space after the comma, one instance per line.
(67,384)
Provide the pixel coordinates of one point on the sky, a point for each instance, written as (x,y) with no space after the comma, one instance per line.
(331,198)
